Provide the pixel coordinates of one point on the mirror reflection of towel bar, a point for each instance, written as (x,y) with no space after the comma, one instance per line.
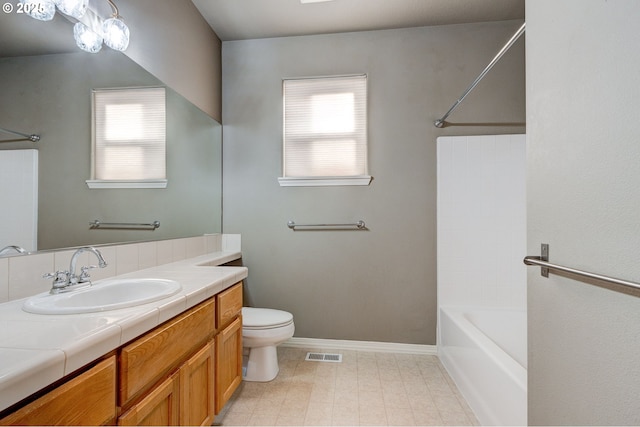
(25,137)
(360,225)
(123,225)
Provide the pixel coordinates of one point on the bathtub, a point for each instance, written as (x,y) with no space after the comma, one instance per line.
(485,353)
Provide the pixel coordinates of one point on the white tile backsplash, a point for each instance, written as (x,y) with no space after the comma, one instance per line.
(127,257)
(148,255)
(25,274)
(21,276)
(179,251)
(195,246)
(4,280)
(231,242)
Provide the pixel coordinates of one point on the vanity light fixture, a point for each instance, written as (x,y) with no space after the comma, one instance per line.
(113,31)
(86,39)
(43,10)
(75,8)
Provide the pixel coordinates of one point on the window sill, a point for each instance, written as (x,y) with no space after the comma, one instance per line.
(125,183)
(324,181)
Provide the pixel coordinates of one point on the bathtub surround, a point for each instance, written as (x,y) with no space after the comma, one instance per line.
(379,284)
(583,88)
(482,329)
(482,221)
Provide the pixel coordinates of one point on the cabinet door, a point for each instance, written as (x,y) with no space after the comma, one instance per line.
(88,399)
(159,408)
(228,362)
(146,360)
(197,385)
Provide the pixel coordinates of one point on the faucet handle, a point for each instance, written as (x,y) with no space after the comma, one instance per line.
(59,277)
(84,273)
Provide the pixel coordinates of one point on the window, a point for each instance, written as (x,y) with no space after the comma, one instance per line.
(325,131)
(129,138)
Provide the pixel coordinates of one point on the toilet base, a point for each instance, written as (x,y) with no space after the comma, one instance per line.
(262,365)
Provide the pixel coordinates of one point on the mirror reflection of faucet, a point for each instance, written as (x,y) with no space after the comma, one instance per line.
(65,281)
(12,248)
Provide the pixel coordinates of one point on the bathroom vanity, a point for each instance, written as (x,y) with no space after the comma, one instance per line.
(177,361)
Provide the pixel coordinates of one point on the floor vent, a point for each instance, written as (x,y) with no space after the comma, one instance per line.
(324,357)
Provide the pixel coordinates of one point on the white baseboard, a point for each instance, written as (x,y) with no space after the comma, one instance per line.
(382,347)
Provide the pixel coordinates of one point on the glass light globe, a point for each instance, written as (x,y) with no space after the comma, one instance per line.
(44,10)
(115,33)
(75,8)
(86,39)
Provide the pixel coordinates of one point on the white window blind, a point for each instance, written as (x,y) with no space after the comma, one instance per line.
(129,137)
(325,131)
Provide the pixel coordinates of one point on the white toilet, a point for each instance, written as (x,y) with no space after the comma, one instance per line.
(262,330)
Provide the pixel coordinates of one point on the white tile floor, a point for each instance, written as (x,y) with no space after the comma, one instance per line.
(364,389)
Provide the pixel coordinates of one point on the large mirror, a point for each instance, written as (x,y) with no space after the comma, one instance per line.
(45,87)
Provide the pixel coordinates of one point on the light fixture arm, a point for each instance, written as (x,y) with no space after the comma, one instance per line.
(115,14)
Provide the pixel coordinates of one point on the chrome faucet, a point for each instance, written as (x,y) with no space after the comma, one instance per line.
(63,280)
(84,275)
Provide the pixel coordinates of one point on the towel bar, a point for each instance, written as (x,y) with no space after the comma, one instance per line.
(359,225)
(123,225)
(547,267)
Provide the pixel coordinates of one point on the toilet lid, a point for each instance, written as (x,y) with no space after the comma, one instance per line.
(264,318)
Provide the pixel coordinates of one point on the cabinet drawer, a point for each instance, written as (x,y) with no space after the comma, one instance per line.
(229,305)
(147,359)
(88,399)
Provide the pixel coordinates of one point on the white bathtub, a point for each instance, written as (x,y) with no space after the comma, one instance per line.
(485,353)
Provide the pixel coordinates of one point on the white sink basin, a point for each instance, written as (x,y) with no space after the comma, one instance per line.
(102,296)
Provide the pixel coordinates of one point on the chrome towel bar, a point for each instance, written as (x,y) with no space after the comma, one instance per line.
(547,267)
(360,225)
(123,225)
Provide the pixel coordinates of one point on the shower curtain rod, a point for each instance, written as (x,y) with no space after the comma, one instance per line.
(441,121)
(25,137)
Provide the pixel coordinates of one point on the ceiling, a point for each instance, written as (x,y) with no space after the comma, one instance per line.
(252,19)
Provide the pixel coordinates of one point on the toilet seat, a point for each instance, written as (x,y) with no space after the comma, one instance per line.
(264,318)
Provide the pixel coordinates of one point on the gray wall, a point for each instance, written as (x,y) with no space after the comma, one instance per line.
(171,40)
(51,95)
(377,285)
(583,87)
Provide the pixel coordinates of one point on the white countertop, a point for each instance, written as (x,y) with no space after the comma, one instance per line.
(36,349)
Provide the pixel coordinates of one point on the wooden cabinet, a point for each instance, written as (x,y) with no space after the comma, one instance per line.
(144,361)
(186,398)
(88,399)
(228,362)
(200,351)
(229,305)
(158,408)
(228,344)
(180,373)
(197,388)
